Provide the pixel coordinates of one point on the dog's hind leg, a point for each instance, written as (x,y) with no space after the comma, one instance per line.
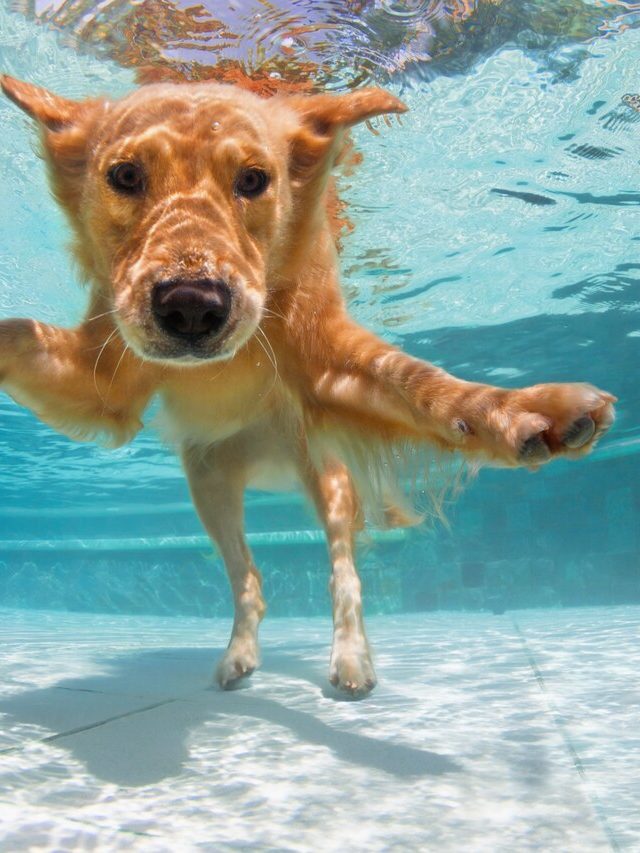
(217,481)
(351,669)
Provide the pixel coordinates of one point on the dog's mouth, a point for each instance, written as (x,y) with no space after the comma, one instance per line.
(191,320)
(192,351)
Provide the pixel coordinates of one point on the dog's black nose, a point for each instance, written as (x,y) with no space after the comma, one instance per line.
(191,307)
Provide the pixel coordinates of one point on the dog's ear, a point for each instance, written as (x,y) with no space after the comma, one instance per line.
(67,131)
(51,111)
(324,117)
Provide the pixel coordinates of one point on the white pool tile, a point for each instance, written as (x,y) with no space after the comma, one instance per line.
(485,734)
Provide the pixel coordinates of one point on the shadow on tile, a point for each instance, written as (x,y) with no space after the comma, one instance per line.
(131,726)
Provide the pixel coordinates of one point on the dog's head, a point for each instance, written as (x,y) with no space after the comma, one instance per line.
(189,201)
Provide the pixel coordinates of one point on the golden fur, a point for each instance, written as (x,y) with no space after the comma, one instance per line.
(288,388)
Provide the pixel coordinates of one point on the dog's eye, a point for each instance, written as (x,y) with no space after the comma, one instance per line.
(127,178)
(250,183)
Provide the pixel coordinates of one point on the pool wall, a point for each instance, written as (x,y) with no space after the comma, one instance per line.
(566,536)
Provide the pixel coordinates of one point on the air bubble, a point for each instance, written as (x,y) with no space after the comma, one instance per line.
(405,8)
(292,46)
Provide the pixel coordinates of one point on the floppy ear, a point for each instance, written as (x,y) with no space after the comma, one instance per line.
(67,131)
(324,117)
(50,110)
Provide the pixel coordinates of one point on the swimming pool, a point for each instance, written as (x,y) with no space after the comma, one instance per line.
(495,233)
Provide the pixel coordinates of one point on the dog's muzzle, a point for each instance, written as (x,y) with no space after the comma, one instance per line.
(191,308)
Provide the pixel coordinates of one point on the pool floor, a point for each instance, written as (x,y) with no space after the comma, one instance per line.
(497,733)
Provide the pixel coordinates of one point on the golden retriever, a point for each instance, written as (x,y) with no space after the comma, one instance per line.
(199,214)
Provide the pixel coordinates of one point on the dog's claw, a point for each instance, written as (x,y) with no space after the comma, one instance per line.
(462,427)
(355,690)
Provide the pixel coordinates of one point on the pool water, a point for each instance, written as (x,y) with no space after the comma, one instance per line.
(496,233)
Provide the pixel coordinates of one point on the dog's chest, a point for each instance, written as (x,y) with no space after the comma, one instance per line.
(211,404)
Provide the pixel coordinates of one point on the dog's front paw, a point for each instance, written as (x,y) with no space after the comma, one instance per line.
(351,670)
(529,426)
(238,662)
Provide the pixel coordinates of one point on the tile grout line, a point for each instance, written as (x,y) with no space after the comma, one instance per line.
(88,727)
(562,727)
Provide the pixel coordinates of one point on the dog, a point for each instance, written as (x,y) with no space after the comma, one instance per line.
(199,215)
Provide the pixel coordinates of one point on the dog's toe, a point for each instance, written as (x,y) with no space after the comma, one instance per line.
(234,666)
(352,674)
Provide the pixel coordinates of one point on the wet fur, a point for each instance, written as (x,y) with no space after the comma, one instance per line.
(294,391)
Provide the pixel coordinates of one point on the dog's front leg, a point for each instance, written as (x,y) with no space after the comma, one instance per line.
(365,378)
(216,480)
(83,382)
(351,668)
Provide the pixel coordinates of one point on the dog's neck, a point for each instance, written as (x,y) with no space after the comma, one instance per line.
(308,255)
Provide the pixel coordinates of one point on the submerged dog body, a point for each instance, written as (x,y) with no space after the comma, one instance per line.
(199,214)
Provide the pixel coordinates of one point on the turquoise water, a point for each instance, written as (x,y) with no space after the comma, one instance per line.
(496,234)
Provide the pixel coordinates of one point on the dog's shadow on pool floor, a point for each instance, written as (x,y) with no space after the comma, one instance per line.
(131,726)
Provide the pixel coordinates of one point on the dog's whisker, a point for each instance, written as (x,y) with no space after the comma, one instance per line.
(95,366)
(272,358)
(269,312)
(98,316)
(113,376)
(222,369)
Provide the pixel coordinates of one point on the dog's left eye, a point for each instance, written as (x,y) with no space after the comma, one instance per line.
(251,182)
(127,178)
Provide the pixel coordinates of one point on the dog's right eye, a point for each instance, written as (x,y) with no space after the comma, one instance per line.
(250,183)
(126,178)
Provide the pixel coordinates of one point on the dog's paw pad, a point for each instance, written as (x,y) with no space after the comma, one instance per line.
(580,432)
(534,450)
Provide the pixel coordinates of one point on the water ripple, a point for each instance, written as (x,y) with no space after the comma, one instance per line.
(333,42)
